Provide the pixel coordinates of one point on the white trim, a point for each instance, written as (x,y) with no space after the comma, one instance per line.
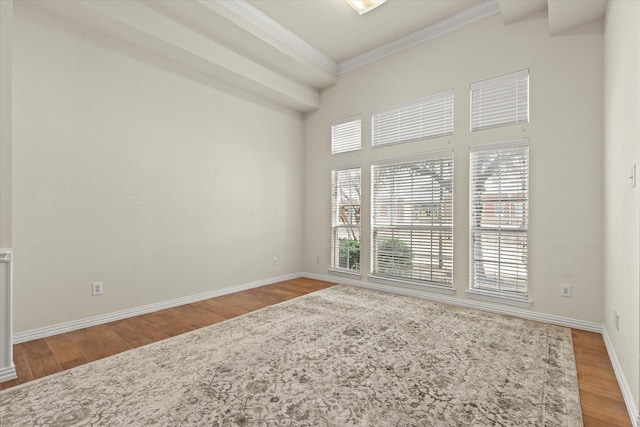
(8,373)
(466,17)
(477,13)
(7,368)
(508,311)
(499,298)
(423,155)
(502,145)
(136,311)
(634,415)
(354,274)
(352,165)
(254,16)
(443,289)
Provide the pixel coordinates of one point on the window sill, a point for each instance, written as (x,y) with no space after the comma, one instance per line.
(352,274)
(502,299)
(413,285)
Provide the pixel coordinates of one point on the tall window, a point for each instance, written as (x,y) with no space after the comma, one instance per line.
(422,118)
(412,219)
(499,207)
(346,134)
(345,219)
(500,101)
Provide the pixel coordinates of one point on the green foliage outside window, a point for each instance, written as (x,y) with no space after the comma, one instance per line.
(395,258)
(350,254)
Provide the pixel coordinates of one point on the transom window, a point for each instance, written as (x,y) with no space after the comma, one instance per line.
(422,118)
(500,101)
(346,134)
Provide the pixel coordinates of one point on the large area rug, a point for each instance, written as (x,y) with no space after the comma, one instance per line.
(342,356)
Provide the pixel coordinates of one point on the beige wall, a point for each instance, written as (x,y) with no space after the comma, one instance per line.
(566,190)
(157,185)
(622,150)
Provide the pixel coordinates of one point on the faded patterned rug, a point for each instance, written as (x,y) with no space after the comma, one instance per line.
(342,356)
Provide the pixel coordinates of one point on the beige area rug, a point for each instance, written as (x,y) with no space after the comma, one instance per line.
(342,356)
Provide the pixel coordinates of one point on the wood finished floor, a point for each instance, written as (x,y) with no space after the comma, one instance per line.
(600,396)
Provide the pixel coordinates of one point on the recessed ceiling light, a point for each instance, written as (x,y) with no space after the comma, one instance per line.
(364,6)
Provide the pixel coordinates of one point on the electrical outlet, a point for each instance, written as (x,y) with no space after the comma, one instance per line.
(565,290)
(616,320)
(96,288)
(318,259)
(274,261)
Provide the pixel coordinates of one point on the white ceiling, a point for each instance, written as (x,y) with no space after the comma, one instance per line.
(334,28)
(287,51)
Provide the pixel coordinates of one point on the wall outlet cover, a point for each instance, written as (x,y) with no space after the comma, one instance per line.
(96,288)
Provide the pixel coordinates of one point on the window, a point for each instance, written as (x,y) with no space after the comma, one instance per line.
(423,118)
(500,101)
(346,134)
(499,177)
(345,219)
(412,219)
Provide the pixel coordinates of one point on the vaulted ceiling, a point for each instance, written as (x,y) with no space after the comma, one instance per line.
(288,51)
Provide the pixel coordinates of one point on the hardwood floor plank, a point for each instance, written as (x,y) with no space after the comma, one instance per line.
(22,368)
(65,351)
(98,342)
(600,396)
(41,360)
(602,409)
(136,332)
(601,400)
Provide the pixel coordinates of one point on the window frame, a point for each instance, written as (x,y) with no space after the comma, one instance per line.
(499,101)
(419,118)
(505,229)
(407,223)
(337,226)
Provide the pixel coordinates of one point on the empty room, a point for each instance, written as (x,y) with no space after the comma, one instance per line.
(320,212)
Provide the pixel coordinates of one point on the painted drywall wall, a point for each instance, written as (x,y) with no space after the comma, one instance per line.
(622,209)
(129,172)
(565,131)
(7,369)
(6,19)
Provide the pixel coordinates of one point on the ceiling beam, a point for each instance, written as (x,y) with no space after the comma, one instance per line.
(142,26)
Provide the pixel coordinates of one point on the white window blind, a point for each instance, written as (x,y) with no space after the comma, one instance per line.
(345,219)
(499,207)
(412,221)
(500,101)
(346,134)
(423,118)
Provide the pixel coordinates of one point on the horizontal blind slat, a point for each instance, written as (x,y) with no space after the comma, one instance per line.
(500,101)
(412,219)
(420,119)
(499,178)
(345,218)
(346,135)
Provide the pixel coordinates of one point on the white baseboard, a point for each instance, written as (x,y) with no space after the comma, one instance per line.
(622,381)
(479,305)
(7,369)
(136,311)
(8,373)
